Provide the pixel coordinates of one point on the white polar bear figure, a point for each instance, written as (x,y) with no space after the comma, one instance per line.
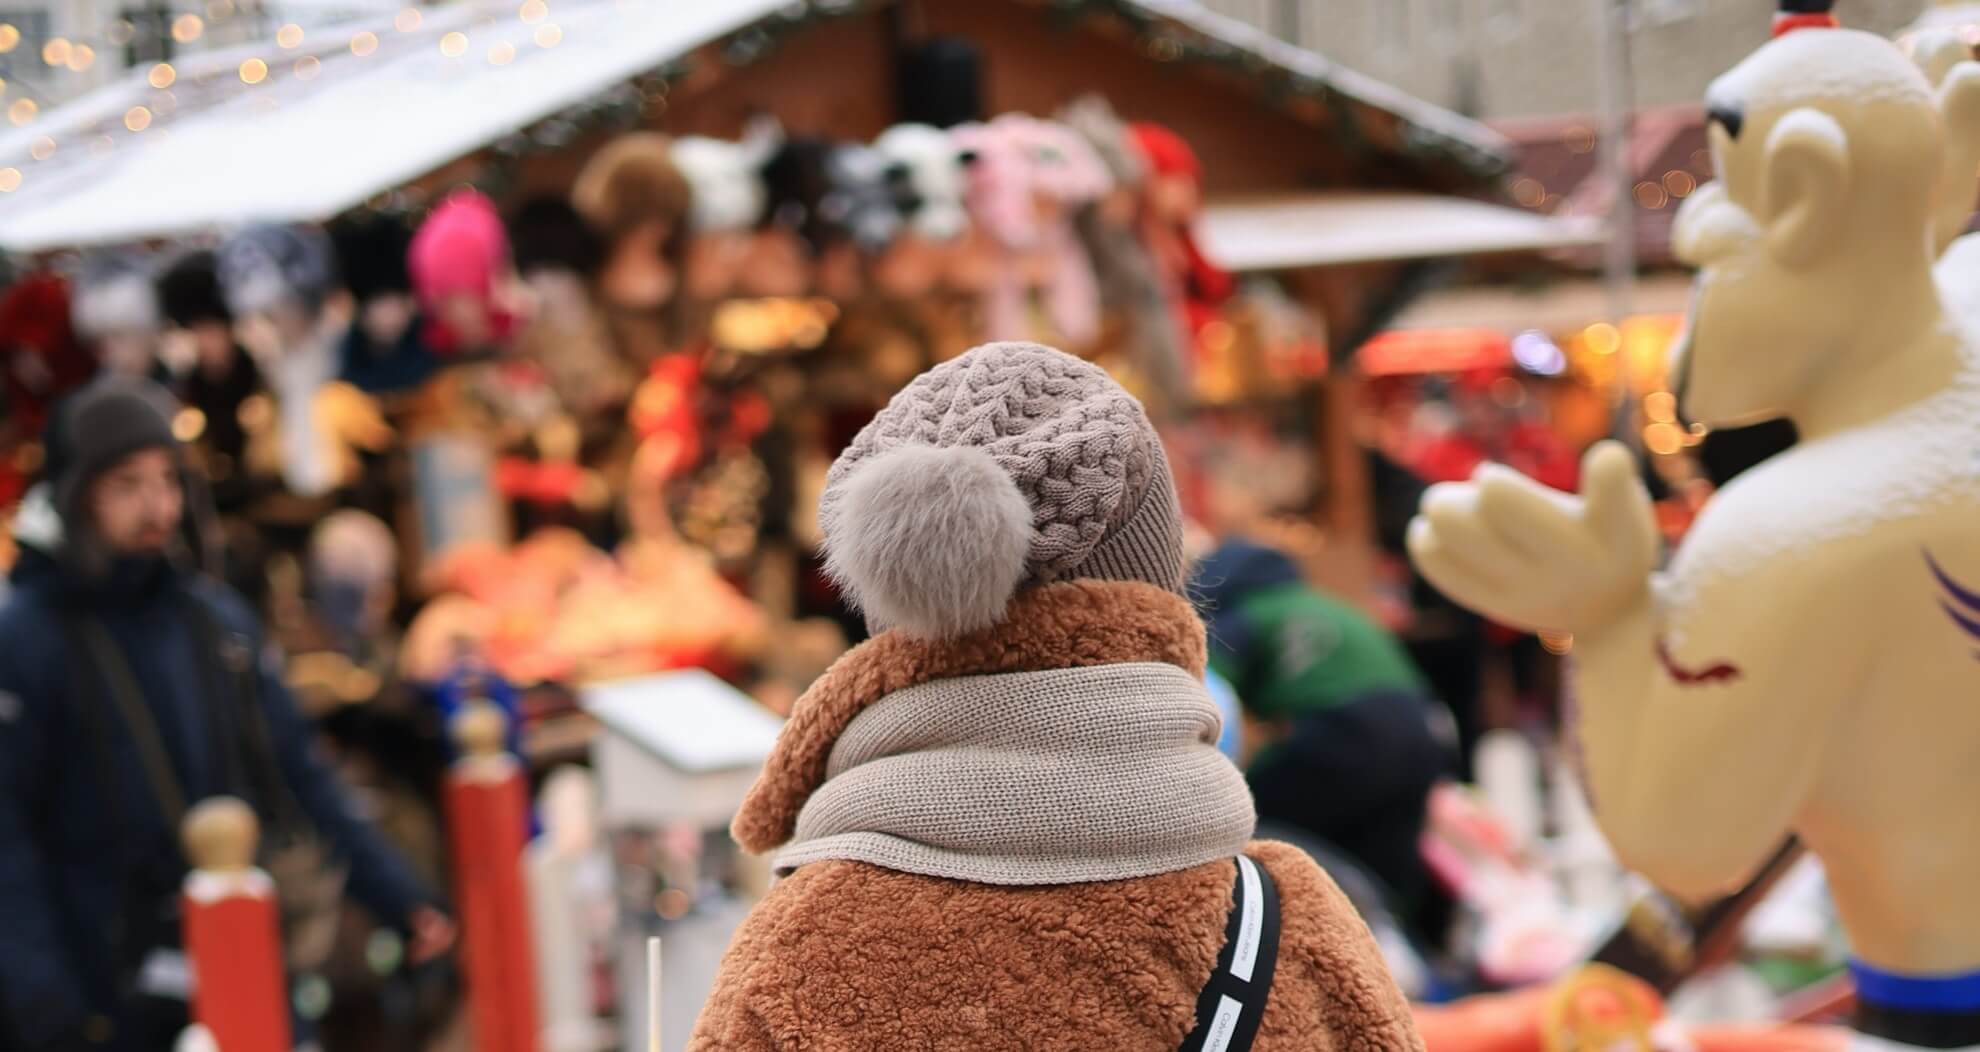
(1809,661)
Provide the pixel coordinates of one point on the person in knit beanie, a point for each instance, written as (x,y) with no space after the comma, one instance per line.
(1003,822)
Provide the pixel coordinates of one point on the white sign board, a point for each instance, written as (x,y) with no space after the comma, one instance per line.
(680,746)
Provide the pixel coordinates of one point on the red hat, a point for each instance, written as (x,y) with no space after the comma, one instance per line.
(34,320)
(1167,152)
(35,314)
(1804,14)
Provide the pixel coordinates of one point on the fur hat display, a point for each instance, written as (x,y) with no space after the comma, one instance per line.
(35,324)
(371,254)
(932,168)
(550,235)
(267,266)
(189,291)
(629,183)
(1112,143)
(114,294)
(1013,465)
(796,180)
(725,178)
(865,201)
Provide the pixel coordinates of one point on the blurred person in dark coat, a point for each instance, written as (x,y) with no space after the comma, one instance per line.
(131,687)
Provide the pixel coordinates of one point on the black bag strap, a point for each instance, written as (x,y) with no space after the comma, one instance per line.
(1232,1003)
(252,762)
(120,683)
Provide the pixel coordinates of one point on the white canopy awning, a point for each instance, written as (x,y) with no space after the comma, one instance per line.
(1561,306)
(364,107)
(303,148)
(1331,229)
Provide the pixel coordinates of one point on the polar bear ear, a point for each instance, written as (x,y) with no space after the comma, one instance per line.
(1807,182)
(1948,64)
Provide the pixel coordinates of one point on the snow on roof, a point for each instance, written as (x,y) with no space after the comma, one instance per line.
(364,107)
(1331,229)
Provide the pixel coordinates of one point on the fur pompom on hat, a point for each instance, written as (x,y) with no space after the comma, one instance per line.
(1011,466)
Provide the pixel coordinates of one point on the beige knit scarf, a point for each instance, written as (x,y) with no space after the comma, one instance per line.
(1073,742)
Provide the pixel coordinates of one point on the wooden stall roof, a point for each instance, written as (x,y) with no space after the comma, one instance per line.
(263,133)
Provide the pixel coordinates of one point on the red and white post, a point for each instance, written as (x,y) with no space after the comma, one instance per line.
(487,818)
(232,932)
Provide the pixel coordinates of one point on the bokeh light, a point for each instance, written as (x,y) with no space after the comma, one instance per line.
(364,44)
(454,45)
(23,111)
(187,28)
(1660,407)
(56,52)
(289,36)
(549,35)
(1602,338)
(254,71)
(162,76)
(1663,439)
(408,20)
(137,118)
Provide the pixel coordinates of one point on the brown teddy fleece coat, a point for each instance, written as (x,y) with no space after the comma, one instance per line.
(849,956)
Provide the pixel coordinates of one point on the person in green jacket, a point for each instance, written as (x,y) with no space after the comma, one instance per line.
(1342,737)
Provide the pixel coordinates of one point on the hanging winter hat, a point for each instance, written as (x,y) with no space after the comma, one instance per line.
(371,253)
(630,183)
(797,180)
(1203,284)
(864,203)
(550,235)
(725,179)
(114,294)
(1804,14)
(1094,120)
(35,325)
(189,291)
(931,172)
(1063,166)
(265,267)
(461,250)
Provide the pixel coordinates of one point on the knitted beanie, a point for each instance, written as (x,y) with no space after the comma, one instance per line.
(95,429)
(1013,465)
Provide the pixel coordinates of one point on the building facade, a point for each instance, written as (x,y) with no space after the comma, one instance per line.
(1521,58)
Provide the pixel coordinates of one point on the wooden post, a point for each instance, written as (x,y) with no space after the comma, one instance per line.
(487,811)
(232,932)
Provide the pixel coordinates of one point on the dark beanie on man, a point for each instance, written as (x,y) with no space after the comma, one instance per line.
(95,428)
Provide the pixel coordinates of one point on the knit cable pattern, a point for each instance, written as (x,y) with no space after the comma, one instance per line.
(1078,447)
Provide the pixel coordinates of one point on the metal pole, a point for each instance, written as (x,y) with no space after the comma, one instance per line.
(1617,95)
